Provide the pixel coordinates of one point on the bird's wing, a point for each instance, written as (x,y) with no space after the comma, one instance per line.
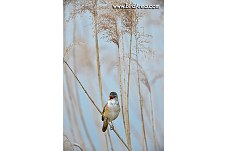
(104,108)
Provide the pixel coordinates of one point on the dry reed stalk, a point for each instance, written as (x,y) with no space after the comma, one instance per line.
(93,10)
(85,91)
(127,123)
(128,19)
(97,52)
(144,79)
(70,107)
(121,91)
(141,109)
(153,123)
(78,133)
(124,75)
(103,140)
(107,146)
(84,124)
(68,110)
(124,80)
(70,89)
(111,145)
(74,37)
(120,81)
(64,30)
(69,115)
(108,25)
(73,98)
(98,60)
(146,83)
(139,91)
(121,139)
(142,40)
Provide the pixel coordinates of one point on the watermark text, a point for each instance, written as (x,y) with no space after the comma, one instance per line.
(135,6)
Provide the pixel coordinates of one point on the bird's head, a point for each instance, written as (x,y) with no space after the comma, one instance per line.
(113,95)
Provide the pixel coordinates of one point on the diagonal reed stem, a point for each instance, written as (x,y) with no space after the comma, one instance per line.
(93,101)
(111,145)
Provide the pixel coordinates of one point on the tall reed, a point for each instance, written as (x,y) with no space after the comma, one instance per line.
(139,91)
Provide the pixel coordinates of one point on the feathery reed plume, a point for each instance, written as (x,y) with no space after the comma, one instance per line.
(85,91)
(70,89)
(119,27)
(128,24)
(95,14)
(66,2)
(72,118)
(108,27)
(91,6)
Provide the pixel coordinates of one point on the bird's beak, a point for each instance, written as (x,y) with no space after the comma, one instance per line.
(111,97)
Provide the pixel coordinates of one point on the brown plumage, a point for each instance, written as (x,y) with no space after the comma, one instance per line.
(105,123)
(110,111)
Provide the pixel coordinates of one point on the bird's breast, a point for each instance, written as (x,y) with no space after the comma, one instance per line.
(113,106)
(113,110)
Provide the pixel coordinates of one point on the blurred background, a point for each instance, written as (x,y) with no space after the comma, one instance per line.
(119,50)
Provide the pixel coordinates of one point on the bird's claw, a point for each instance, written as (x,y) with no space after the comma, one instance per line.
(112,128)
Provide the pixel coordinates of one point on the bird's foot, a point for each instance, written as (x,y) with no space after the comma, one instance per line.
(111,126)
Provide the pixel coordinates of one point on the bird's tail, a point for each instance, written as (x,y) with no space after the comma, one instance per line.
(105,125)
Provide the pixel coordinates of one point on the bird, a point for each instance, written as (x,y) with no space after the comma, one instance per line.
(110,111)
